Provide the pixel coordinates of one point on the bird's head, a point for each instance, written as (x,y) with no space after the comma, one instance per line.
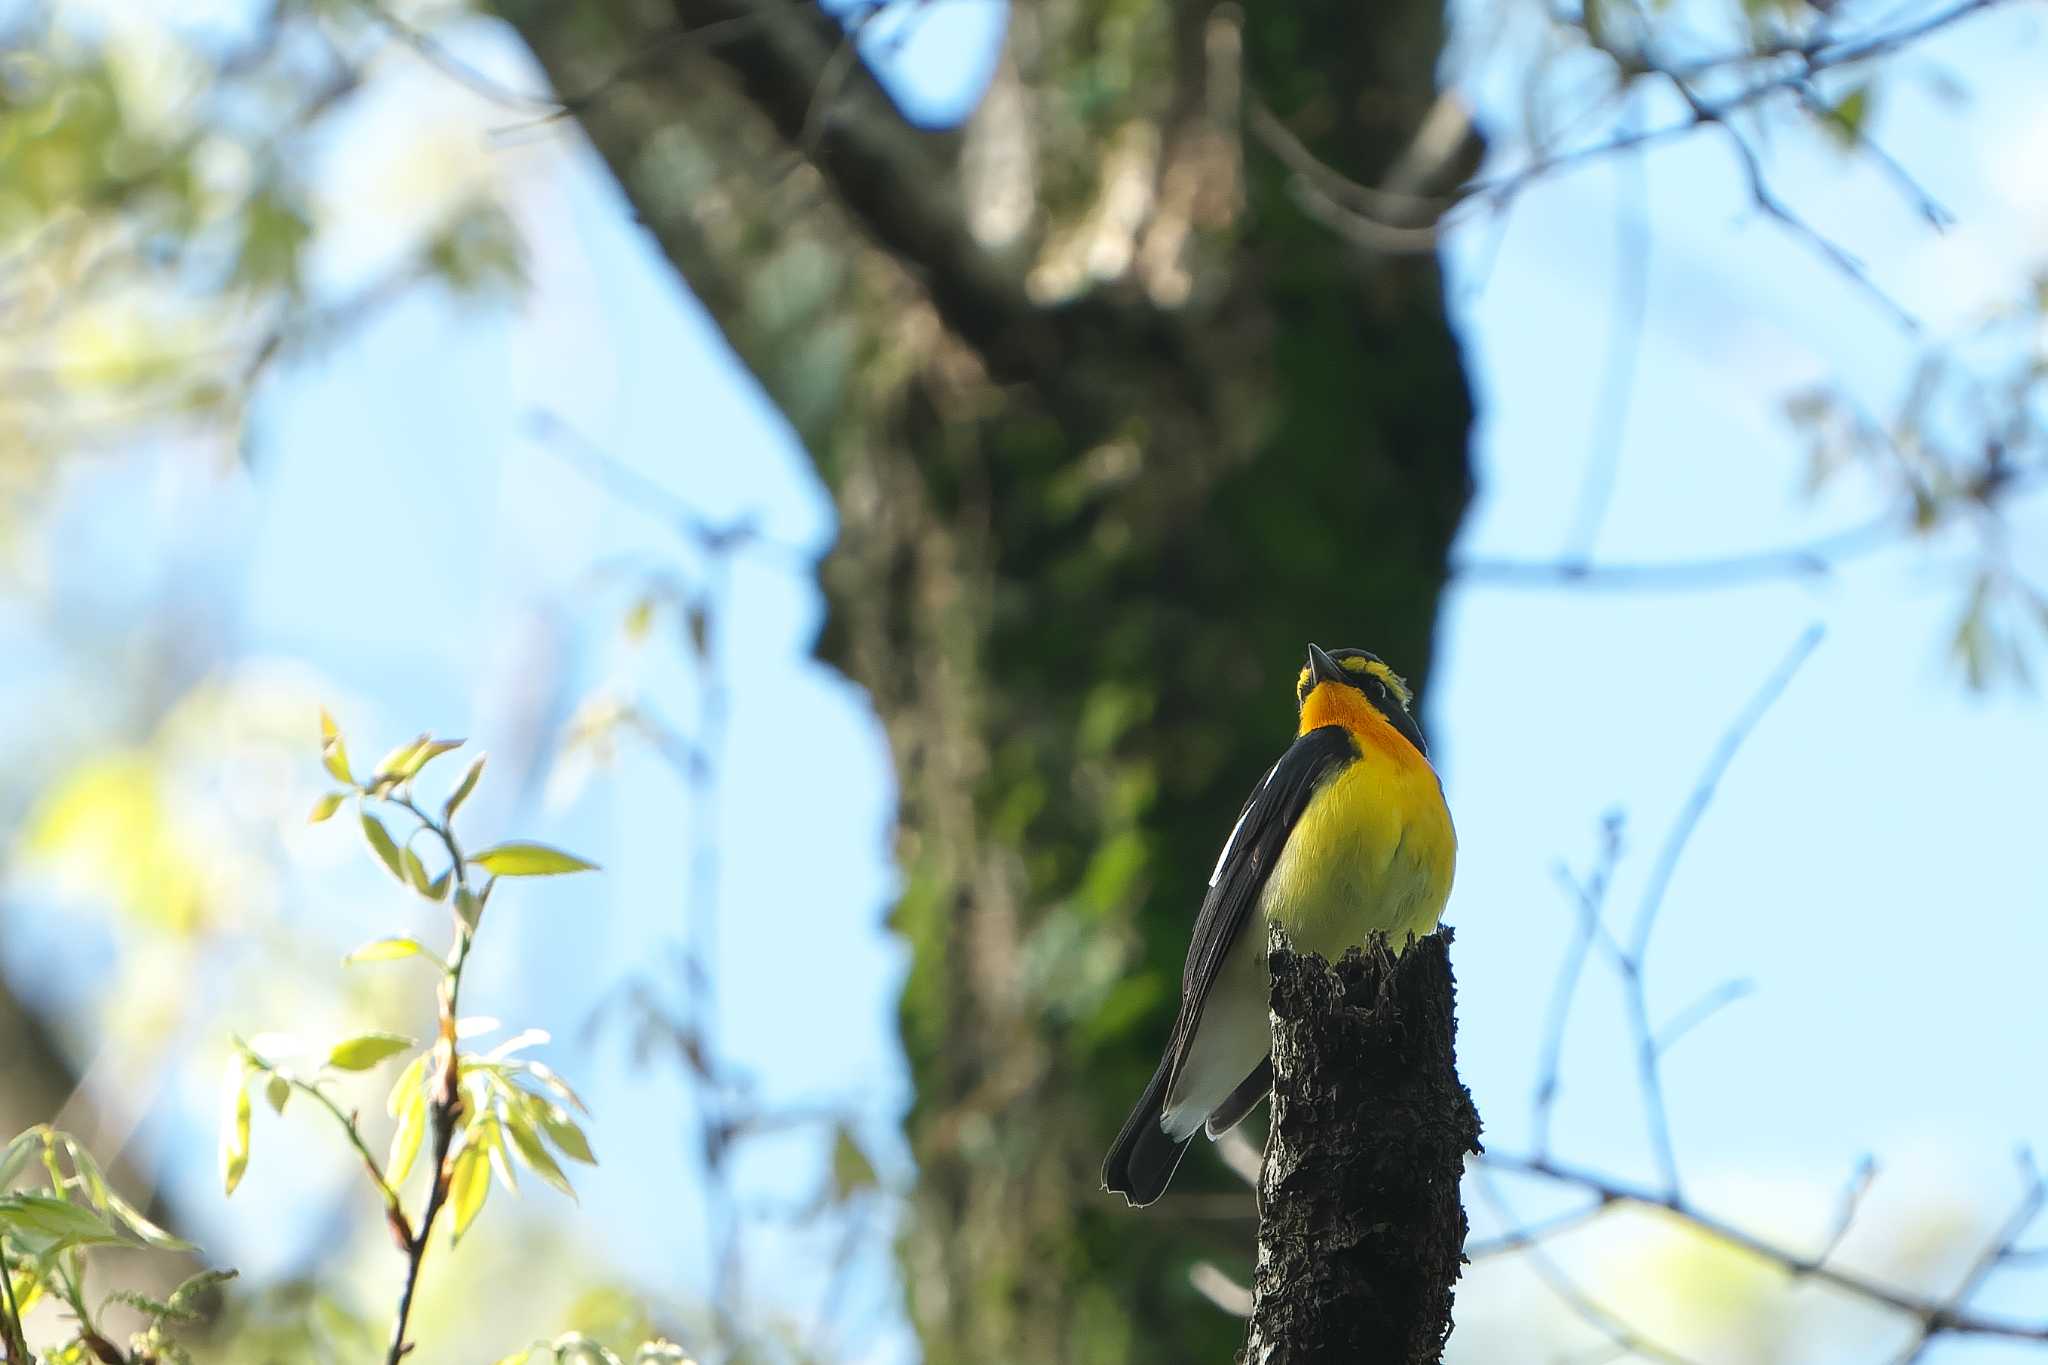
(1334,683)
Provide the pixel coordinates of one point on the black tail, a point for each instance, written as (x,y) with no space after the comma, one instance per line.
(1144,1157)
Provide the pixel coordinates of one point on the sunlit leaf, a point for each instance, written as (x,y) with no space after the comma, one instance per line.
(469,1184)
(529,860)
(468,908)
(277,1090)
(394,764)
(416,872)
(405,1139)
(519,1128)
(60,1221)
(545,1074)
(565,1133)
(148,1232)
(518,1042)
(234,1143)
(437,889)
(407,1086)
(326,806)
(366,1050)
(463,788)
(181,1298)
(17,1154)
(89,1172)
(335,758)
(490,1134)
(381,844)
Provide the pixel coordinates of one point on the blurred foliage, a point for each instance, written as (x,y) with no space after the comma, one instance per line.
(160,243)
(1969,434)
(46,1242)
(1036,508)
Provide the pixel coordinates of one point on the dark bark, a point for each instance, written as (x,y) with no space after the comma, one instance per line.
(1362,1234)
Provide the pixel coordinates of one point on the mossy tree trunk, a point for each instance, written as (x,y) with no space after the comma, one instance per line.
(1113,432)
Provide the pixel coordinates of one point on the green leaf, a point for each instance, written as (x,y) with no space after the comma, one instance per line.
(529,860)
(277,1090)
(490,1134)
(468,908)
(463,788)
(89,1172)
(18,1154)
(60,1221)
(366,1050)
(335,758)
(182,1297)
(405,1139)
(404,763)
(545,1074)
(469,1184)
(437,889)
(407,1086)
(382,845)
(391,950)
(393,765)
(147,1232)
(535,1155)
(329,731)
(415,872)
(563,1131)
(1847,117)
(234,1143)
(326,806)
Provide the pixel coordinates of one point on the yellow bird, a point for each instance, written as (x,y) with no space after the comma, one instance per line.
(1346,834)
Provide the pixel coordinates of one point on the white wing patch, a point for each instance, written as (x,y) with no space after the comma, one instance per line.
(1238,828)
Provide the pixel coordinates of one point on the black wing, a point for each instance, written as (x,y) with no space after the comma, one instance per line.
(1254,846)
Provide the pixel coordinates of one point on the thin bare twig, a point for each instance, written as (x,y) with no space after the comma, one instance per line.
(1648,1054)
(1996,1253)
(1701,1010)
(1815,559)
(1940,1317)
(1708,783)
(1590,897)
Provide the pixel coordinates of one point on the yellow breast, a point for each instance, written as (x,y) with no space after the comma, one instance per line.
(1373,850)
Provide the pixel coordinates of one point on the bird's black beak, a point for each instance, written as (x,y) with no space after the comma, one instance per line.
(1323,668)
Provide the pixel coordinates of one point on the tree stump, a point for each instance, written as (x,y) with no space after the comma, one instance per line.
(1361,1231)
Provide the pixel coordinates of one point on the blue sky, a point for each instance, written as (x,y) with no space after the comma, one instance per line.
(1872,863)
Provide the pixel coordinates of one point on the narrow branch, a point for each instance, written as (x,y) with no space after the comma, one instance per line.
(1815,559)
(1937,1317)
(1997,1252)
(444,1111)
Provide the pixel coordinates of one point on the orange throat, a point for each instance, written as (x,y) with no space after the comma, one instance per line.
(1337,704)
